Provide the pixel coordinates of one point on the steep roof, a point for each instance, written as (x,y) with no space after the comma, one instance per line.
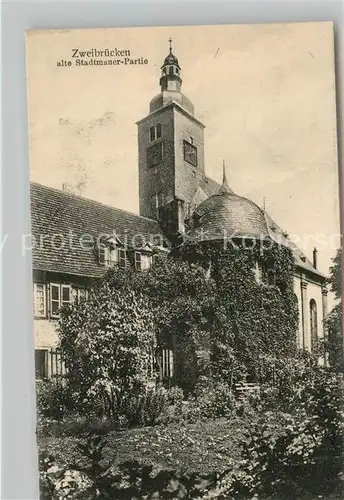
(66,227)
(301,261)
(212,188)
(226,215)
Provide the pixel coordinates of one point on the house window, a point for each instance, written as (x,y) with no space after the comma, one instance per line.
(115,257)
(60,295)
(166,363)
(155,132)
(314,323)
(39,291)
(191,140)
(41,363)
(142,261)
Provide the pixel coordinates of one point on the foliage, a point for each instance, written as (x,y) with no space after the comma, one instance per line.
(335,279)
(53,400)
(253,323)
(144,408)
(293,454)
(334,322)
(106,344)
(182,300)
(225,325)
(212,401)
(268,453)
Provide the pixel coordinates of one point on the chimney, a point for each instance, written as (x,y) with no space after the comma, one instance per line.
(315,251)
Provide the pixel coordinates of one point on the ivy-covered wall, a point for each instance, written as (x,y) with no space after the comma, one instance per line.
(254,317)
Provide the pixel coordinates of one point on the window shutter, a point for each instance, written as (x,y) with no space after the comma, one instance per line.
(39,291)
(55,299)
(41,363)
(122,258)
(138,261)
(66,294)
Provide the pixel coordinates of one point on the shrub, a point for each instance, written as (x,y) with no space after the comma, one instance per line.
(294,454)
(213,401)
(175,396)
(53,400)
(144,408)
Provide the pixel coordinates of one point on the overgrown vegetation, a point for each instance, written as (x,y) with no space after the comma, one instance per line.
(104,434)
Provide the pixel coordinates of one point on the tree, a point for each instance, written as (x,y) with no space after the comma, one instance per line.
(334,321)
(106,343)
(223,325)
(254,322)
(181,299)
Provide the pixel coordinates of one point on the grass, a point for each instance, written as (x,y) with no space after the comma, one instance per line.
(194,447)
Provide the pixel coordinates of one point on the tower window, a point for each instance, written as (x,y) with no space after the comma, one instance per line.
(191,140)
(155,132)
(171,70)
(161,199)
(156,201)
(190,153)
(154,154)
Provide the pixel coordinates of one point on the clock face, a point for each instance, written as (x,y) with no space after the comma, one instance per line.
(190,153)
(154,154)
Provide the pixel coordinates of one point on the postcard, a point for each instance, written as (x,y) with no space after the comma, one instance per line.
(186,261)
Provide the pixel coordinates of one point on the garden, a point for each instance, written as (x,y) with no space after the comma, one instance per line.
(113,427)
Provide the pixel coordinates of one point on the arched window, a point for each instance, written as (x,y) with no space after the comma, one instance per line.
(171,70)
(161,199)
(314,323)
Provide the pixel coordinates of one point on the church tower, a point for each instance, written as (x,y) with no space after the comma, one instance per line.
(170,150)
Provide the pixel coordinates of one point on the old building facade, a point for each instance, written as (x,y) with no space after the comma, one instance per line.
(76,240)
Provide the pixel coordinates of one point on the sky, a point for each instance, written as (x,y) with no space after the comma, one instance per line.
(266,94)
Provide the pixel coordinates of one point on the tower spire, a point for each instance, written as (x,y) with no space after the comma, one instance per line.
(170,79)
(225,187)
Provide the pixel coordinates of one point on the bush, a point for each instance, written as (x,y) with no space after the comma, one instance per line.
(54,400)
(213,401)
(294,454)
(144,408)
(175,396)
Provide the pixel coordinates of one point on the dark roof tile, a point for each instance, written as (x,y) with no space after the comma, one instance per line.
(65,229)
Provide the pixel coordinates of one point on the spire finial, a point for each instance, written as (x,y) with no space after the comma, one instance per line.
(170,42)
(264,203)
(224,188)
